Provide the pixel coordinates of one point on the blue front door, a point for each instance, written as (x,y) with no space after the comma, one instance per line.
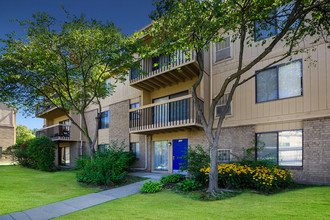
(180,147)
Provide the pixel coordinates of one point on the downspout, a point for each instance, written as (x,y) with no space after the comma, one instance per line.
(145,155)
(80,138)
(211,72)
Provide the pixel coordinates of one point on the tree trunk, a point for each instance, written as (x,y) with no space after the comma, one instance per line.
(90,148)
(213,175)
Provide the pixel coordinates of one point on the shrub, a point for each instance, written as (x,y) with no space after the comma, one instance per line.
(38,153)
(151,187)
(107,167)
(42,153)
(260,177)
(175,178)
(18,154)
(188,185)
(196,159)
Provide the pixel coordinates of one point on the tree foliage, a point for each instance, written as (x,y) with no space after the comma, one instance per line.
(195,25)
(63,64)
(23,134)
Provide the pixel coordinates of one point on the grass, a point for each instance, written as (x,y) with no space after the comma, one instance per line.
(303,203)
(23,188)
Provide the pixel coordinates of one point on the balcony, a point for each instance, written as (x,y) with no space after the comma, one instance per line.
(48,111)
(171,115)
(164,70)
(56,132)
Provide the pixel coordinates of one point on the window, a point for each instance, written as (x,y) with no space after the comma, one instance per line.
(173,111)
(222,49)
(0,152)
(160,61)
(222,104)
(104,120)
(224,156)
(279,82)
(136,70)
(283,147)
(264,28)
(108,83)
(64,156)
(135,148)
(103,147)
(134,105)
(269,27)
(134,115)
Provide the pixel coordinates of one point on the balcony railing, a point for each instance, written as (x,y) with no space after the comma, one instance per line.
(175,113)
(159,64)
(55,132)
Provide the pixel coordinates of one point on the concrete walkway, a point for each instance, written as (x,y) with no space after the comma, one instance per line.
(78,203)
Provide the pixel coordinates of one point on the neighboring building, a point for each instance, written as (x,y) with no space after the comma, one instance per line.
(287,107)
(7,129)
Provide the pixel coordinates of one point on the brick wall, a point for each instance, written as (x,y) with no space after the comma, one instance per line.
(234,138)
(237,139)
(316,153)
(119,122)
(7,138)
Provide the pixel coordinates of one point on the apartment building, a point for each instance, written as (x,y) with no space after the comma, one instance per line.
(67,139)
(286,107)
(7,129)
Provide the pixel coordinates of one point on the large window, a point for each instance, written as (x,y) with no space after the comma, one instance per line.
(173,111)
(104,120)
(283,147)
(135,148)
(279,82)
(274,24)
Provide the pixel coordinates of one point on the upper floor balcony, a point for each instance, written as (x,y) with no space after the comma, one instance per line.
(48,111)
(56,132)
(164,70)
(170,115)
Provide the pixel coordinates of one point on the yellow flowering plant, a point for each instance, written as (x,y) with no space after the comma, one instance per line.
(260,177)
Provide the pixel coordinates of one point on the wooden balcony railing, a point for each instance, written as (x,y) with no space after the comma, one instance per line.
(175,113)
(159,64)
(55,132)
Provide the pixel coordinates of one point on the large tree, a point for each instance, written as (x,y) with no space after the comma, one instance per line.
(23,134)
(64,65)
(194,25)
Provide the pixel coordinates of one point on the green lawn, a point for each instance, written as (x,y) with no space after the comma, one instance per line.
(305,203)
(22,188)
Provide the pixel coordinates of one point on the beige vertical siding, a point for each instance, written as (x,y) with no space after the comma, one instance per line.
(315,101)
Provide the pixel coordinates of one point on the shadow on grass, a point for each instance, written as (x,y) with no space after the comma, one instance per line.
(203,195)
(128,180)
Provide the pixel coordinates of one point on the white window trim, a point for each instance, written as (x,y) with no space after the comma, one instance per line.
(215,52)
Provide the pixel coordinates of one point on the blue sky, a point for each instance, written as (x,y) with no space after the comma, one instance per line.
(129,15)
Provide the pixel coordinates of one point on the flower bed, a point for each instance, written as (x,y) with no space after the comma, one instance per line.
(262,178)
